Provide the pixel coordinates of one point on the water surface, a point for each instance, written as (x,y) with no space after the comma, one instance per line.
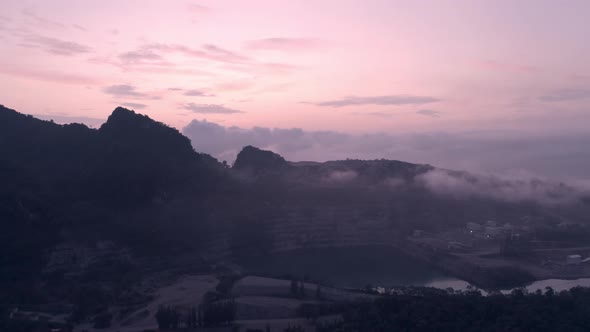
(354,267)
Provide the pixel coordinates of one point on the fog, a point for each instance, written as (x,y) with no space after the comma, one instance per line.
(563,156)
(461,185)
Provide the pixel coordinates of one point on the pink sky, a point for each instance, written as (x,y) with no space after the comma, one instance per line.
(342,65)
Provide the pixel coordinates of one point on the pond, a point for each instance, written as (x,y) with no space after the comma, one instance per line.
(354,267)
(358,267)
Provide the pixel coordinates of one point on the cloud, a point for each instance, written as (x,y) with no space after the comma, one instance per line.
(140,56)
(156,54)
(564,156)
(192,92)
(134,105)
(54,45)
(195,93)
(126,90)
(462,185)
(430,113)
(284,44)
(566,95)
(47,75)
(209,109)
(378,100)
(207,52)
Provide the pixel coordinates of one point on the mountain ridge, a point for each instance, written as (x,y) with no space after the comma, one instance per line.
(140,184)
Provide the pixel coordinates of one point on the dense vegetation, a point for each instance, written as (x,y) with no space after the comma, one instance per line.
(134,181)
(140,184)
(425,310)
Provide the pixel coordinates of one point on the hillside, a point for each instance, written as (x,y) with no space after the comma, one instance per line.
(138,186)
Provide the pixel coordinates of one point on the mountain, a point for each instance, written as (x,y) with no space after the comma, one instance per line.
(139,184)
(136,179)
(72,183)
(255,159)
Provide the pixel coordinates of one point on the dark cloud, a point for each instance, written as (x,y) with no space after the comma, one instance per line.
(134,105)
(431,113)
(126,90)
(122,90)
(284,44)
(566,95)
(378,100)
(209,109)
(556,156)
(54,45)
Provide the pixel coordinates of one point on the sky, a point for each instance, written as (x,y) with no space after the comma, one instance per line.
(435,77)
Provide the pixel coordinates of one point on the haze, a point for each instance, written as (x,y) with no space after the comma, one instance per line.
(379,78)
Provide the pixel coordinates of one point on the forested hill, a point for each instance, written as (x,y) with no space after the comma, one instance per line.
(84,181)
(140,183)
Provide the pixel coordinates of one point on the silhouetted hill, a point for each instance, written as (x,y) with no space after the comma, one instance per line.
(255,159)
(140,184)
(61,182)
(129,131)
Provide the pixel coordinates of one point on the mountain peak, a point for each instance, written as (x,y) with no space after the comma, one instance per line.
(125,117)
(255,158)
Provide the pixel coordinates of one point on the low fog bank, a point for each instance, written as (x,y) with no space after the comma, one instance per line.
(563,157)
(514,190)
